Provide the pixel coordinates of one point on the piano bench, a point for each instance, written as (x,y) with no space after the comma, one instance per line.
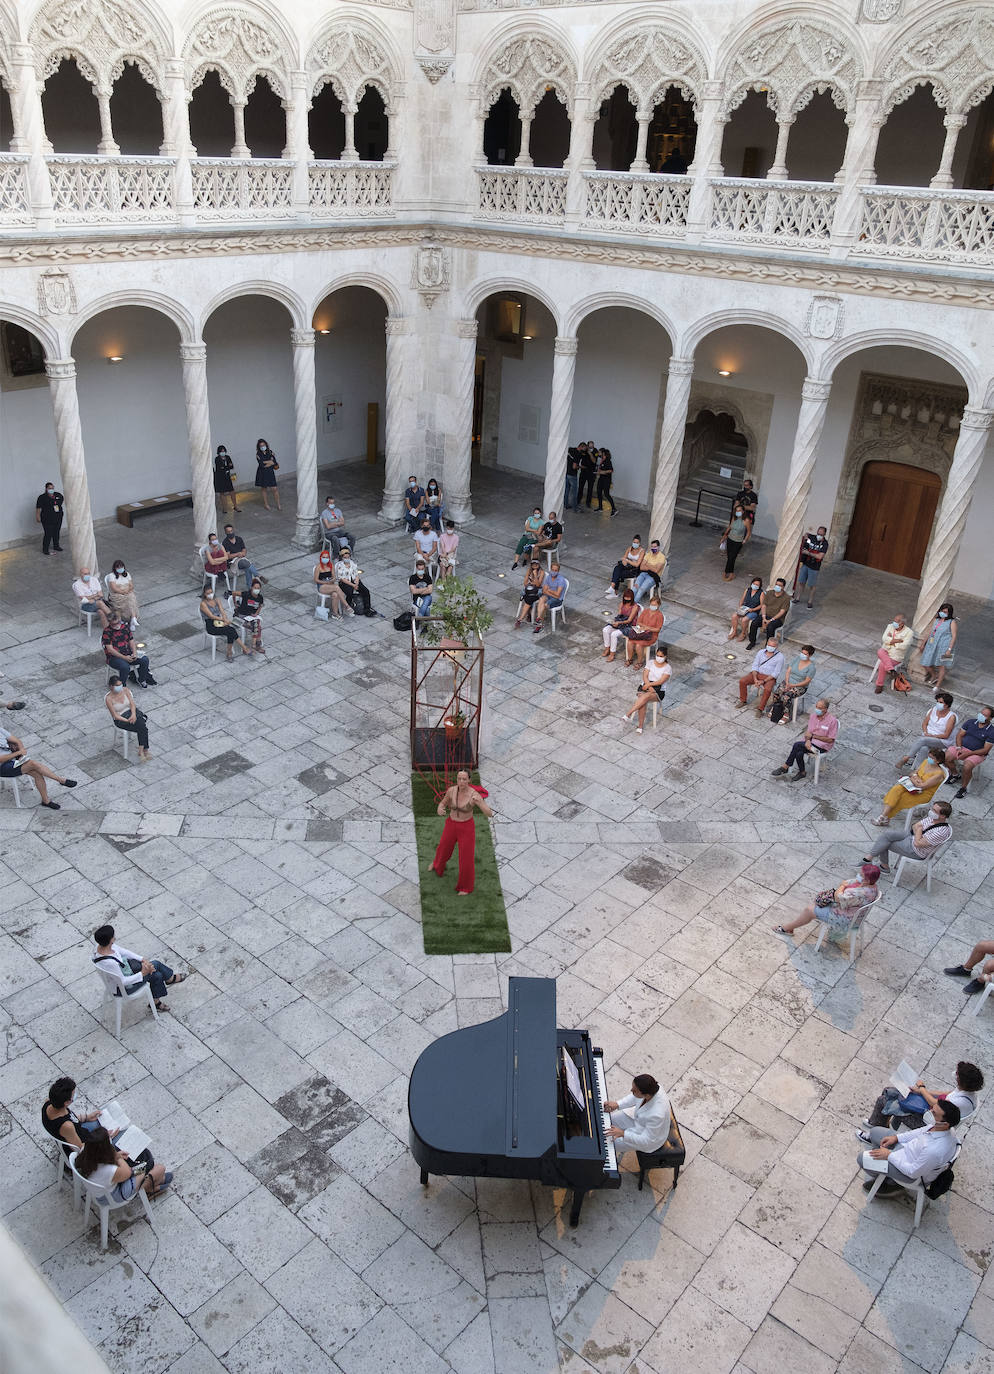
(670,1155)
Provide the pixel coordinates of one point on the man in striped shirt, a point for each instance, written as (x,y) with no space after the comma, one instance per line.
(925,838)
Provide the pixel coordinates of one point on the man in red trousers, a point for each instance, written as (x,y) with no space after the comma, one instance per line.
(460,829)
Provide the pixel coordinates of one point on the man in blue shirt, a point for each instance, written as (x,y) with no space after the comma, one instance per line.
(553,591)
(973,743)
(414,500)
(766,668)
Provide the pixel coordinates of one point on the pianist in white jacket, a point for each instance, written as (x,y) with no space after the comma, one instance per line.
(642,1119)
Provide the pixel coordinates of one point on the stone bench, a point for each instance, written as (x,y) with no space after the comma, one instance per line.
(126,514)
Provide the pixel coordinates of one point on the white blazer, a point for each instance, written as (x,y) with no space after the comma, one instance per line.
(652,1121)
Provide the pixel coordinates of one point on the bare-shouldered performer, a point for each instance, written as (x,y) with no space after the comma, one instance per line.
(460,828)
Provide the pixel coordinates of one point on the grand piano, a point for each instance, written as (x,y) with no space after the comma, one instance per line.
(515,1098)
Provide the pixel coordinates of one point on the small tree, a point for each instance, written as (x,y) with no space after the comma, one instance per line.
(457,612)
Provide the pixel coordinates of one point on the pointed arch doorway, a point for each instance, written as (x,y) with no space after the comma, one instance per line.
(892,520)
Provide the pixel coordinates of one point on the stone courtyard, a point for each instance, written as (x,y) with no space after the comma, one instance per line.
(268,847)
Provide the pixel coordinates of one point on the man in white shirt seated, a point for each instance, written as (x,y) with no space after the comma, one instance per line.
(133,968)
(348,574)
(426,540)
(90,595)
(641,1119)
(333,527)
(913,1155)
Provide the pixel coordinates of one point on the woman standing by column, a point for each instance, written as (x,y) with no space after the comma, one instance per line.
(266,468)
(939,650)
(605,472)
(460,829)
(224,473)
(737,533)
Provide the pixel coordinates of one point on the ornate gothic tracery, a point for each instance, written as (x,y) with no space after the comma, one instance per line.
(240,48)
(955,54)
(647,62)
(350,58)
(100,39)
(528,66)
(792,61)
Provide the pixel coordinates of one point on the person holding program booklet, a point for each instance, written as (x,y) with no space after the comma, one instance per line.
(906,1100)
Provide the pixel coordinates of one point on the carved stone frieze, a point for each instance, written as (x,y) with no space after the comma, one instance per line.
(351,58)
(528,66)
(880,11)
(647,62)
(101,37)
(239,49)
(792,61)
(435,68)
(954,53)
(56,295)
(434,25)
(432,271)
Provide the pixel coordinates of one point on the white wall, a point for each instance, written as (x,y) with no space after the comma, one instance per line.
(28,458)
(974,571)
(527,382)
(250,382)
(349,366)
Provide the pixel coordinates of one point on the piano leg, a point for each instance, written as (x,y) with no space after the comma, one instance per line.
(577,1203)
(424,1178)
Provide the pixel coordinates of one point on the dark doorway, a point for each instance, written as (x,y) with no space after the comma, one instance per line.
(892,521)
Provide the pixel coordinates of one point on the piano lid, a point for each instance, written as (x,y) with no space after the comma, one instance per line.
(491,1089)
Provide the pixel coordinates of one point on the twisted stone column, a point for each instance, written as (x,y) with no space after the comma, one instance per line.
(810,422)
(72,463)
(193,358)
(950,522)
(297,146)
(459,456)
(560,420)
(29,132)
(176,136)
(670,452)
(305,417)
(399,458)
(857,168)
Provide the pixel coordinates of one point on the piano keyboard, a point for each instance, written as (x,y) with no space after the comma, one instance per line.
(610,1153)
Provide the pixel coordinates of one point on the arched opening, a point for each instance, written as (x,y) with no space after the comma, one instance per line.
(750,139)
(6,118)
(548,145)
(615,132)
(672,134)
(350,376)
(27,430)
(326,125)
(212,119)
(910,145)
(816,147)
(973,164)
(515,339)
(372,133)
(715,454)
(70,110)
(265,121)
(136,114)
(502,131)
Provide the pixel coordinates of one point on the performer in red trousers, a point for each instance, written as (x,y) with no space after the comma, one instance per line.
(460,829)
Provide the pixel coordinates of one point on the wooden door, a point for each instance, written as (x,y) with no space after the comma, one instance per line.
(893,517)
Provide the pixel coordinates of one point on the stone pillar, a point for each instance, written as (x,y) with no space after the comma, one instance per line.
(29,132)
(305,417)
(297,146)
(193,357)
(560,418)
(943,179)
(176,136)
(778,171)
(524,157)
(72,463)
(857,168)
(640,163)
(810,422)
(670,451)
(711,121)
(239,148)
(950,522)
(459,455)
(399,458)
(107,147)
(349,152)
(579,159)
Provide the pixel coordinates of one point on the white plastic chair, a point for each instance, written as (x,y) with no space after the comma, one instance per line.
(15,784)
(115,991)
(122,735)
(819,755)
(978,1003)
(796,706)
(561,608)
(90,616)
(61,1165)
(929,863)
(855,930)
(553,551)
(212,577)
(99,1198)
(915,1186)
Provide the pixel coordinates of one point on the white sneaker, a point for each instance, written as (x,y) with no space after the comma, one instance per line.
(610,592)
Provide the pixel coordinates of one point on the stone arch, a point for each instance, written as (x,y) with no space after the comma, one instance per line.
(101,38)
(647,60)
(719,403)
(353,52)
(527,63)
(240,44)
(481,290)
(791,58)
(150,300)
(386,290)
(299,318)
(954,53)
(620,299)
(699,331)
(902,338)
(51,341)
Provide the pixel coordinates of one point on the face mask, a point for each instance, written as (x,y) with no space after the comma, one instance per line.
(536,515)
(118,687)
(214,539)
(780,589)
(49,490)
(819,710)
(943,615)
(256,591)
(653,605)
(264,447)
(118,570)
(982,720)
(755,586)
(635,543)
(655,548)
(659,658)
(738,515)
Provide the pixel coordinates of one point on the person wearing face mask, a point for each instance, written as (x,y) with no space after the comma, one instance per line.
(14,763)
(224,472)
(735,536)
(655,676)
(820,735)
(421,588)
(414,503)
(49,511)
(895,643)
(349,579)
(651,572)
(628,565)
(588,471)
(766,669)
(549,535)
(121,654)
(531,592)
(249,611)
(217,623)
(573,457)
(90,594)
(814,547)
(628,614)
(776,604)
(939,650)
(973,743)
(749,610)
(533,530)
(937,731)
(839,908)
(916,789)
(924,839)
(215,558)
(800,676)
(266,468)
(327,583)
(640,637)
(126,715)
(434,504)
(238,557)
(121,593)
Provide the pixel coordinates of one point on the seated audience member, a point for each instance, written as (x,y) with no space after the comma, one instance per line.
(434,504)
(628,565)
(134,969)
(651,571)
(531,591)
(913,1155)
(838,908)
(641,1119)
(121,592)
(776,604)
(248,609)
(553,592)
(924,839)
(766,669)
(448,544)
(533,528)
(628,614)
(238,557)
(983,949)
(938,730)
(218,624)
(347,572)
(549,535)
(125,714)
(333,527)
(327,583)
(924,783)
(896,641)
(819,736)
(14,763)
(215,558)
(973,743)
(101,1163)
(120,652)
(421,588)
(655,676)
(644,633)
(749,610)
(799,677)
(89,593)
(69,1129)
(426,540)
(414,503)
(892,1109)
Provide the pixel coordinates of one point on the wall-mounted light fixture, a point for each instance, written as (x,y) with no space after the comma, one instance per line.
(724,372)
(527,337)
(116,358)
(324,331)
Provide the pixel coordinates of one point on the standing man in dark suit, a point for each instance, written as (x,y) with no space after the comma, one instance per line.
(49,509)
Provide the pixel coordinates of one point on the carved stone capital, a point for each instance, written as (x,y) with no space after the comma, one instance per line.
(193,352)
(302,338)
(869,89)
(175,69)
(814,389)
(712,90)
(975,418)
(60,369)
(566,348)
(435,67)
(681,367)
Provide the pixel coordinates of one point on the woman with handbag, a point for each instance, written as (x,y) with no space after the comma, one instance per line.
(916,789)
(224,475)
(266,468)
(218,623)
(628,614)
(838,907)
(531,591)
(655,676)
(736,535)
(750,608)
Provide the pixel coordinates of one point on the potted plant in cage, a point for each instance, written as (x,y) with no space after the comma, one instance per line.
(454,725)
(458,612)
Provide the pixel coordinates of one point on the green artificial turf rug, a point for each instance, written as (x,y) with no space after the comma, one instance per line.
(476,924)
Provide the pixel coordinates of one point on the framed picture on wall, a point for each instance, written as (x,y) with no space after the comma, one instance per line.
(333,407)
(22,358)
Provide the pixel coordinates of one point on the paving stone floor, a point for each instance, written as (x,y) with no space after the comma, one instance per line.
(268,846)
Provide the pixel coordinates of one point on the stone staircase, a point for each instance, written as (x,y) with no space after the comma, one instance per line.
(715,510)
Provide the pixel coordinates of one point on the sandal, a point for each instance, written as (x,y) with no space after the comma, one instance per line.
(162,1006)
(780,930)
(176,978)
(161,1187)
